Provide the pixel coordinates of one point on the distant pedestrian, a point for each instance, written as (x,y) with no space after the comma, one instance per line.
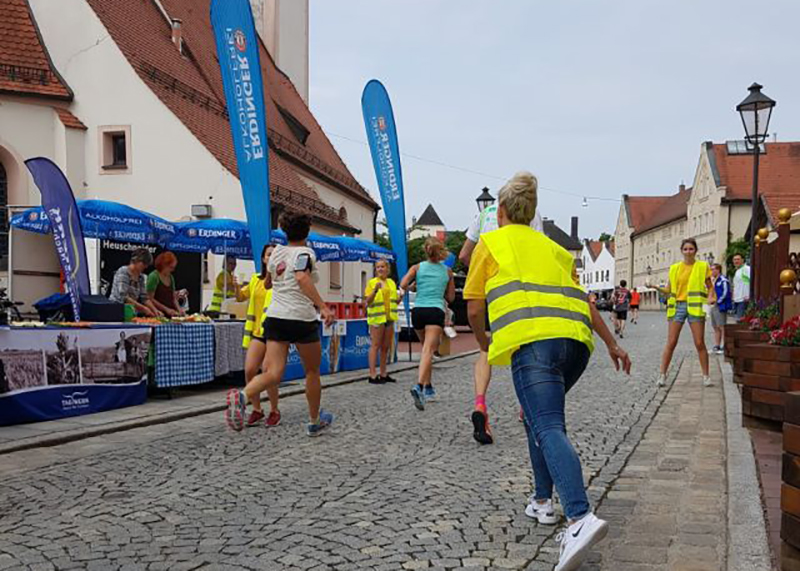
(635,299)
(291,320)
(689,288)
(622,300)
(720,308)
(254,341)
(741,286)
(382,299)
(542,325)
(435,288)
(485,221)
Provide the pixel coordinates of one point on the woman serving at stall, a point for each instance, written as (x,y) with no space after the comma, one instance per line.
(161,285)
(382,297)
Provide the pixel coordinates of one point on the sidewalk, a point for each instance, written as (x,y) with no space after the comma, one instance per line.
(188,402)
(669,509)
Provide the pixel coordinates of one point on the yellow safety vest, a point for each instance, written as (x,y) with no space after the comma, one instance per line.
(376,311)
(697,293)
(218,297)
(260,298)
(533,297)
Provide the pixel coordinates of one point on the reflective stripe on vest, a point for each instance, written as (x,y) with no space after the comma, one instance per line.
(532,302)
(697,294)
(376,311)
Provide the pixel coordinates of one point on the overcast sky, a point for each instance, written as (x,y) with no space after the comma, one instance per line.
(595,98)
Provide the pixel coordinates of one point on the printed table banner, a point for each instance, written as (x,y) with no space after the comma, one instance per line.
(50,373)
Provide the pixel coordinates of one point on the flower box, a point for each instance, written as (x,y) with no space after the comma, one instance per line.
(766,373)
(743,337)
(790,473)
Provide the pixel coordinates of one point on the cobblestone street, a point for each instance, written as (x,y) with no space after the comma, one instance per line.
(387,488)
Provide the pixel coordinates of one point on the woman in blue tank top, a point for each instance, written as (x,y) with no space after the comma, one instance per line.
(435,288)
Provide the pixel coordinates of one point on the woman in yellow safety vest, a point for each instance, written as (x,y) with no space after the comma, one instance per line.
(688,289)
(381,298)
(260,296)
(542,324)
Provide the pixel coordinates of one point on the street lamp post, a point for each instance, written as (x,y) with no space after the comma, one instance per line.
(484,200)
(755,110)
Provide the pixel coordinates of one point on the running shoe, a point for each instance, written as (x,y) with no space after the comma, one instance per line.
(544,513)
(388,379)
(430,393)
(325,420)
(419,398)
(236,409)
(274,419)
(521,415)
(255,417)
(707,382)
(714,350)
(376,381)
(578,539)
(662,380)
(480,421)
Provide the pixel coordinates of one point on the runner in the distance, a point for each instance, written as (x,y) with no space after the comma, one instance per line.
(291,320)
(622,299)
(635,299)
(484,222)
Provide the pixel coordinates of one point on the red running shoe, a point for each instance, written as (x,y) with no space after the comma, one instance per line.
(274,419)
(521,415)
(255,417)
(235,409)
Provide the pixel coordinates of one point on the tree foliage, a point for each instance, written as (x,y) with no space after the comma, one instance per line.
(605,237)
(416,248)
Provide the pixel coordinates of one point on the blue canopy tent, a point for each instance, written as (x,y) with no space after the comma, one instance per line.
(105,220)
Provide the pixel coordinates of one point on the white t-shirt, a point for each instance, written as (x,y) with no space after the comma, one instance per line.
(288,300)
(741,284)
(486,221)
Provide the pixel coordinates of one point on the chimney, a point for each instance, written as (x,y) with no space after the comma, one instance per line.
(574,230)
(681,187)
(177,33)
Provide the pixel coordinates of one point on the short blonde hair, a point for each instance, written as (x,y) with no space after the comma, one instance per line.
(519,197)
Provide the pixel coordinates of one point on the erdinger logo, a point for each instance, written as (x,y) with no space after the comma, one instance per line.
(74,401)
(33,216)
(381,123)
(192,232)
(240,40)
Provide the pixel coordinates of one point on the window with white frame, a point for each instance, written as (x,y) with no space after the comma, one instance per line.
(115,149)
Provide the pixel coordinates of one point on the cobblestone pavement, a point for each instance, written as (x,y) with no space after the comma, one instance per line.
(387,488)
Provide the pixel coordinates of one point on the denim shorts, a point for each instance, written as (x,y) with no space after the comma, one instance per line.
(682,314)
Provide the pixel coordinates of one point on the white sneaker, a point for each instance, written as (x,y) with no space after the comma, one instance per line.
(578,539)
(544,513)
(662,380)
(707,382)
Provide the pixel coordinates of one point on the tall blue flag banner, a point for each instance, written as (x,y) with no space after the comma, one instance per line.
(237,50)
(58,203)
(382,137)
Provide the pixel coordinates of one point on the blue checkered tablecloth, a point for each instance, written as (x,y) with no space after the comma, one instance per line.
(184,354)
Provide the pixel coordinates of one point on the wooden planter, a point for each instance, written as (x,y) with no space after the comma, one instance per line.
(728,337)
(790,476)
(766,373)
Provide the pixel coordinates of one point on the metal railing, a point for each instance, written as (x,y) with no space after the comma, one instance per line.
(27,74)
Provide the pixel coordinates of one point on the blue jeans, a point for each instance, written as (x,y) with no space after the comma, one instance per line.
(739,307)
(543,372)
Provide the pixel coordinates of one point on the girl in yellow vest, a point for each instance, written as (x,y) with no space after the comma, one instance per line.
(688,289)
(542,325)
(260,296)
(382,298)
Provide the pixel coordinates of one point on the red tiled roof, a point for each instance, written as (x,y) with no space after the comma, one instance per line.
(642,208)
(595,247)
(25,66)
(68,119)
(612,247)
(671,209)
(190,85)
(779,170)
(773,202)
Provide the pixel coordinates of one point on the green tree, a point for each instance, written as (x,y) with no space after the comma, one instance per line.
(605,237)
(740,246)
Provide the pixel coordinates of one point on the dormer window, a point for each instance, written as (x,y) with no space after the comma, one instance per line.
(295,126)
